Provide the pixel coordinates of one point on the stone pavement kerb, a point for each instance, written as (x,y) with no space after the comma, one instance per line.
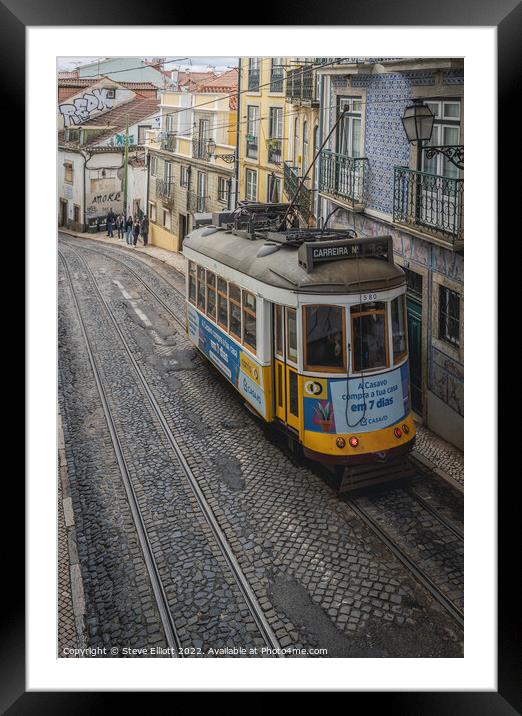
(431,451)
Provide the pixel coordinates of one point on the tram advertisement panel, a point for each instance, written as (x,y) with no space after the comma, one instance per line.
(356,405)
(240,369)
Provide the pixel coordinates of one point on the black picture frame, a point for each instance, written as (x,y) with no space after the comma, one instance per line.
(506,15)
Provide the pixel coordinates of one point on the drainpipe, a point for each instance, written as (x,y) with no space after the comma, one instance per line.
(86,156)
(236,196)
(321,133)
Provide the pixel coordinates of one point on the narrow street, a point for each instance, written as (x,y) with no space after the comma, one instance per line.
(198,533)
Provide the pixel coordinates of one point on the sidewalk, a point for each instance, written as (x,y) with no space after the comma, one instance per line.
(439,456)
(431,451)
(168,257)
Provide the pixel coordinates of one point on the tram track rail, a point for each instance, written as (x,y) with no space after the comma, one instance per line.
(220,538)
(418,572)
(167,621)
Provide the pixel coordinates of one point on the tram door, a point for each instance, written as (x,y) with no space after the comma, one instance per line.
(285,366)
(279,362)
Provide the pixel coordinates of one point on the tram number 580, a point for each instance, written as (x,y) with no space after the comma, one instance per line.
(367,297)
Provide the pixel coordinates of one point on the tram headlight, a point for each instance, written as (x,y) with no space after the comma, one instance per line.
(354,441)
(398,433)
(340,442)
(405,429)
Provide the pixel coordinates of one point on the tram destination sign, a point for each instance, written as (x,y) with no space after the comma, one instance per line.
(313,252)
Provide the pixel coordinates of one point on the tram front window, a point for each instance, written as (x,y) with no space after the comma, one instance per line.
(369,347)
(324,331)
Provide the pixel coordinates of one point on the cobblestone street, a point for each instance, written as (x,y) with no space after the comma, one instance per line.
(259,549)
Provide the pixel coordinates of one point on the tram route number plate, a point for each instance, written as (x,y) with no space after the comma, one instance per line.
(311,253)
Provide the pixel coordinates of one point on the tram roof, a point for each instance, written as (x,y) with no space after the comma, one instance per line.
(282,270)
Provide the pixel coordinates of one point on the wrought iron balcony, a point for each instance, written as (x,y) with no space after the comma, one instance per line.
(301,85)
(200,148)
(274,149)
(430,203)
(291,181)
(196,203)
(343,177)
(251,146)
(164,189)
(169,142)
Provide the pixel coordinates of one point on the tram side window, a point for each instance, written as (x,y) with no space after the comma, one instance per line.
(291,326)
(398,328)
(234,296)
(278,330)
(211,295)
(192,282)
(222,303)
(369,343)
(325,342)
(201,288)
(249,320)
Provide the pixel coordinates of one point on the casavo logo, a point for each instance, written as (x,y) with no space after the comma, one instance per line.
(315,387)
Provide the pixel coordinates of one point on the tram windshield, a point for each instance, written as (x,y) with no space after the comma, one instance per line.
(325,342)
(369,342)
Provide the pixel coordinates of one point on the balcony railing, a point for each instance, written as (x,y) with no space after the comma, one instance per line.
(196,203)
(200,148)
(342,177)
(164,188)
(253,80)
(168,143)
(430,203)
(301,85)
(274,149)
(251,146)
(291,181)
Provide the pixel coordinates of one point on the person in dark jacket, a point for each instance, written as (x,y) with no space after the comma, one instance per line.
(120,225)
(128,229)
(111,218)
(136,229)
(145,230)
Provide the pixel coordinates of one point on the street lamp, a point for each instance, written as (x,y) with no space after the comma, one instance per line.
(417,121)
(211,151)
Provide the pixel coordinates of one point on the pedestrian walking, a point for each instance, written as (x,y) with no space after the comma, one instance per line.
(136,229)
(145,230)
(128,229)
(120,225)
(111,218)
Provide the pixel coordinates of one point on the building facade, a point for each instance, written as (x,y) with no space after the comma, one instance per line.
(301,175)
(262,142)
(191,161)
(371,179)
(91,157)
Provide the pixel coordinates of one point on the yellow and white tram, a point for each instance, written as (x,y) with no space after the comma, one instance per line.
(310,327)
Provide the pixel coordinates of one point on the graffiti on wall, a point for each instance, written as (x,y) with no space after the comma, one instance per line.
(99,204)
(82,108)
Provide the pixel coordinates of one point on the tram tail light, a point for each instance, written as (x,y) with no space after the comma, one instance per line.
(340,442)
(405,429)
(398,433)
(354,442)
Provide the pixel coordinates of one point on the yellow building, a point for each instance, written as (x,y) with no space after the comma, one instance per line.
(192,160)
(302,130)
(279,124)
(262,140)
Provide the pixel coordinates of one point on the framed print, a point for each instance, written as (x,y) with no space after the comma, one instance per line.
(185,525)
